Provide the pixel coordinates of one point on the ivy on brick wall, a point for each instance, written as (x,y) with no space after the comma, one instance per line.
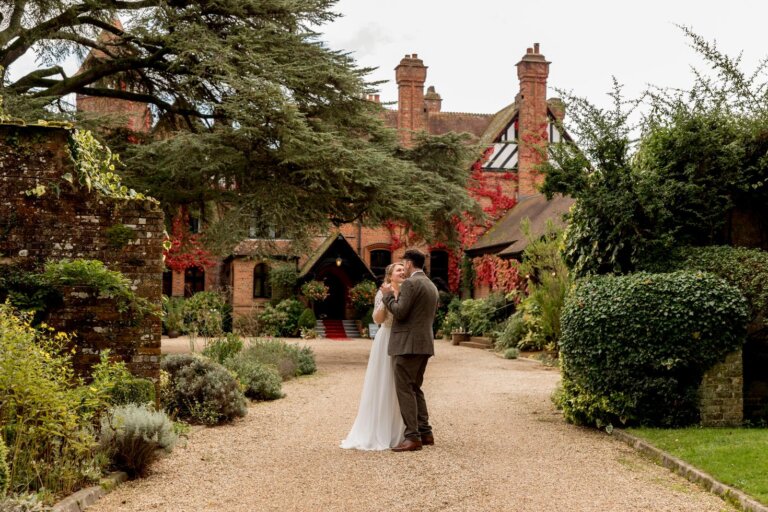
(95,167)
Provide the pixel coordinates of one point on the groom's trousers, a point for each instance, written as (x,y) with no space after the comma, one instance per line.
(409,375)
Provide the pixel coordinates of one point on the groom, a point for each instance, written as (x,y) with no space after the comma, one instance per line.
(411,345)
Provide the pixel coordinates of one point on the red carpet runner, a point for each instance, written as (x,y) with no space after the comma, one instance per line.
(334,329)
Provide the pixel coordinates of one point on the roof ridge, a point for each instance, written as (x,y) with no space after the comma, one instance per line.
(464,113)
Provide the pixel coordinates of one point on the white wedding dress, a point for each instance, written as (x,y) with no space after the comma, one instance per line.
(379,425)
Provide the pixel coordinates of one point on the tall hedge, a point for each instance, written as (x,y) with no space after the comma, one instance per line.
(634,348)
(746,269)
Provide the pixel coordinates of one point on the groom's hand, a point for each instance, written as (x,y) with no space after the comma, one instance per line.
(386,289)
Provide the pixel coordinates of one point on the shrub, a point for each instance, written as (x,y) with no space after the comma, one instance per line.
(634,348)
(118,385)
(201,390)
(511,353)
(452,322)
(220,349)
(5,473)
(746,269)
(308,334)
(307,364)
(282,279)
(261,382)
(513,331)
(22,503)
(249,324)
(133,391)
(133,434)
(173,314)
(270,321)
(367,318)
(307,319)
(281,320)
(204,314)
(289,359)
(45,410)
(479,315)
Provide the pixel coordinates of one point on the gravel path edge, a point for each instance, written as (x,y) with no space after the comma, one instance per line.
(82,499)
(695,475)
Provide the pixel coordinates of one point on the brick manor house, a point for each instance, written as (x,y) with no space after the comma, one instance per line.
(354,253)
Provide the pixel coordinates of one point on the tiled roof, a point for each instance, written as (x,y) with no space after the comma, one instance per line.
(505,238)
(500,120)
(444,122)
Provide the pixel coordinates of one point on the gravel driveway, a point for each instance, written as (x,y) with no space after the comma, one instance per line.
(500,446)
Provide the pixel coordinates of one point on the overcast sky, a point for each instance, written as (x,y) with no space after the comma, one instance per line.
(471,48)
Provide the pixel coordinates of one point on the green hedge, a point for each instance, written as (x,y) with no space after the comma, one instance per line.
(634,348)
(746,269)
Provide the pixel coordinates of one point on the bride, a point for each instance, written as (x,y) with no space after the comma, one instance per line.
(379,425)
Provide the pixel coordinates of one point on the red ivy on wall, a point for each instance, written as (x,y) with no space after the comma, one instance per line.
(184,249)
(500,275)
(485,188)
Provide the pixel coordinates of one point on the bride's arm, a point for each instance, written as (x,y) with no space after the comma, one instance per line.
(379,309)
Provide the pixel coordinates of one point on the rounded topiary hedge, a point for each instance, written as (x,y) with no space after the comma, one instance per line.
(634,348)
(746,269)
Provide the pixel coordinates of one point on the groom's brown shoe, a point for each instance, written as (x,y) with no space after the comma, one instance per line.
(427,439)
(409,445)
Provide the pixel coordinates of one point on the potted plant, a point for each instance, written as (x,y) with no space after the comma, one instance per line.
(173,316)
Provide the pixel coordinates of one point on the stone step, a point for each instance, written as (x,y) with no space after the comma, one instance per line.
(475,344)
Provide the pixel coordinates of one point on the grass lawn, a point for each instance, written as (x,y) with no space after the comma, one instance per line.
(736,457)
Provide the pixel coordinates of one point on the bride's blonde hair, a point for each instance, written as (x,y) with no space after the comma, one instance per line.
(388,271)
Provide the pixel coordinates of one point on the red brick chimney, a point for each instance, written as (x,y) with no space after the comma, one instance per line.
(532,70)
(410,75)
(432,100)
(135,115)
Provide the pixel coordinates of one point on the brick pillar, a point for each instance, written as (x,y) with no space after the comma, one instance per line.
(721,393)
(410,75)
(532,71)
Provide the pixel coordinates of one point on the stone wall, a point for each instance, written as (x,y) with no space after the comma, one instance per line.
(70,222)
(722,393)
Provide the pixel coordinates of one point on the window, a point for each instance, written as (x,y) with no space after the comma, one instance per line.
(261,288)
(380,258)
(194,281)
(261,232)
(194,225)
(438,269)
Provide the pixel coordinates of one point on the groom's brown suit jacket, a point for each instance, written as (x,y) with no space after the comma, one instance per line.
(414,312)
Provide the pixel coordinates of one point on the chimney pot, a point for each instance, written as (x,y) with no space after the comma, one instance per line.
(529,50)
(415,56)
(535,47)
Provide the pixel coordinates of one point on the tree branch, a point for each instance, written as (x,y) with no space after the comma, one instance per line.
(32,79)
(14,23)
(137,97)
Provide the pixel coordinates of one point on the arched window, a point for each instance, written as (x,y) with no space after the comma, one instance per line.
(380,258)
(261,288)
(438,268)
(194,281)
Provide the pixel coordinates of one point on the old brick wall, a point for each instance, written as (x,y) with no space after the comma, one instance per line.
(721,393)
(74,223)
